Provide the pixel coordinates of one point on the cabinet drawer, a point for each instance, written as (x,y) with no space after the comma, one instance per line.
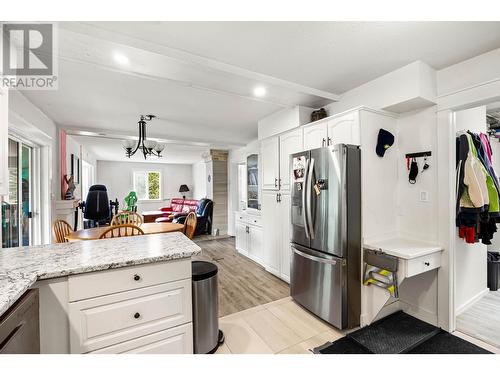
(423,264)
(99,322)
(241,218)
(101,283)
(254,220)
(177,340)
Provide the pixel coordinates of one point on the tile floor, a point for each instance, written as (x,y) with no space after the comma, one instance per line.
(280,327)
(283,327)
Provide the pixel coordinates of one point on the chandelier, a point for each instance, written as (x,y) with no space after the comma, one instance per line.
(147,147)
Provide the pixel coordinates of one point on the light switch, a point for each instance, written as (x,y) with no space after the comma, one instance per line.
(424,196)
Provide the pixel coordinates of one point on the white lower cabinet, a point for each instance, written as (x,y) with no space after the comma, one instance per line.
(149,319)
(276,233)
(249,236)
(177,340)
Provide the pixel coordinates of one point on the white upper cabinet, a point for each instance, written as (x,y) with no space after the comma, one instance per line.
(344,129)
(269,151)
(315,136)
(4,136)
(341,129)
(290,143)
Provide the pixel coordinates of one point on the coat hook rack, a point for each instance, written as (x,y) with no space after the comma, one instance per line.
(418,154)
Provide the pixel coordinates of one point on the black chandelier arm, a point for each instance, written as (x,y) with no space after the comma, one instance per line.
(139,141)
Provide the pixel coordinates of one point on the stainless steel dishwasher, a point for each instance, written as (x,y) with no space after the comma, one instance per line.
(20,326)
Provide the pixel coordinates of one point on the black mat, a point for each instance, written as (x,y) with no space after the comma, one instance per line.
(396,333)
(400,333)
(446,343)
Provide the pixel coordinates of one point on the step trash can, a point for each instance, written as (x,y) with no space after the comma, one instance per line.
(493,270)
(206,334)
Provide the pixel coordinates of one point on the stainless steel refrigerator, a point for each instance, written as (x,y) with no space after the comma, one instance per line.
(326,233)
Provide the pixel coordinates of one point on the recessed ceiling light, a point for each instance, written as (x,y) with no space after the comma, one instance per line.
(259,91)
(120,58)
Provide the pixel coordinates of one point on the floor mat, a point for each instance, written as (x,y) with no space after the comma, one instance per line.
(446,343)
(396,333)
(400,333)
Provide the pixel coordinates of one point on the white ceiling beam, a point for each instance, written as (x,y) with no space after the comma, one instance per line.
(189,58)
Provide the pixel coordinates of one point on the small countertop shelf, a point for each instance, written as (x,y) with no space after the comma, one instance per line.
(21,267)
(403,248)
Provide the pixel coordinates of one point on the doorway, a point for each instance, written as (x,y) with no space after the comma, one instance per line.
(17,207)
(477,300)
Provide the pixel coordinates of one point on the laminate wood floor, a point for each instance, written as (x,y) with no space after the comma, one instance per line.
(243,284)
(482,319)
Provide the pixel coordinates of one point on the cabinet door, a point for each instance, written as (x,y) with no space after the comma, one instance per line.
(269,152)
(271,232)
(290,143)
(285,248)
(315,136)
(241,237)
(255,243)
(344,129)
(4,107)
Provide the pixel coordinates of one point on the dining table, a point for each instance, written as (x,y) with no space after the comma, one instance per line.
(147,228)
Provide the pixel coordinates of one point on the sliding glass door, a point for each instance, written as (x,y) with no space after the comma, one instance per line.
(17,205)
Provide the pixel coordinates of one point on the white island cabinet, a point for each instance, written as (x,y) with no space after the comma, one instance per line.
(127,309)
(120,295)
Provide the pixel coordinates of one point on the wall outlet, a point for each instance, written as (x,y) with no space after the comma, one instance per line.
(424,196)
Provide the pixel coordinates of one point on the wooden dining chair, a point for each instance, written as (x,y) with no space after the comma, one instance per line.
(127,217)
(60,229)
(190,225)
(124,230)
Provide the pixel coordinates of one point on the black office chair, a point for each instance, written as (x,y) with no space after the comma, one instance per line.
(204,213)
(97,209)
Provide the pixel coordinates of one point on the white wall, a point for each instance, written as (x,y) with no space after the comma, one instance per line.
(199,172)
(417,132)
(118,178)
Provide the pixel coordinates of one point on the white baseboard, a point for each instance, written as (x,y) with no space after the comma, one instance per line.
(420,313)
(471,301)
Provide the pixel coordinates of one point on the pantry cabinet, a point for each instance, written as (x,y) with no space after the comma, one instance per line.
(269,150)
(290,143)
(4,136)
(342,129)
(275,155)
(276,239)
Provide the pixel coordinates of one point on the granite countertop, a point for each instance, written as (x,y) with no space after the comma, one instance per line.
(21,267)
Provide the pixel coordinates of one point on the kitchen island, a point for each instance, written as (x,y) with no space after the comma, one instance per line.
(130,294)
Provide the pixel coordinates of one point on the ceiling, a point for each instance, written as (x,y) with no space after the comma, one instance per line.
(331,56)
(199,77)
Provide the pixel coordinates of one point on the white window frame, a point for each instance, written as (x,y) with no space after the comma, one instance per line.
(147,187)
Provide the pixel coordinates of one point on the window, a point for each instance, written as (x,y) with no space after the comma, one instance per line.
(147,185)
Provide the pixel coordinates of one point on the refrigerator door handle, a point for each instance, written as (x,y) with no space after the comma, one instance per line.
(308,198)
(304,194)
(312,257)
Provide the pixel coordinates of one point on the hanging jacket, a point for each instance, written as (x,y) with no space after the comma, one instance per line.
(491,180)
(475,190)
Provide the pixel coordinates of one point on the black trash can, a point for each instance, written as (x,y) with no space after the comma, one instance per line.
(206,334)
(493,270)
